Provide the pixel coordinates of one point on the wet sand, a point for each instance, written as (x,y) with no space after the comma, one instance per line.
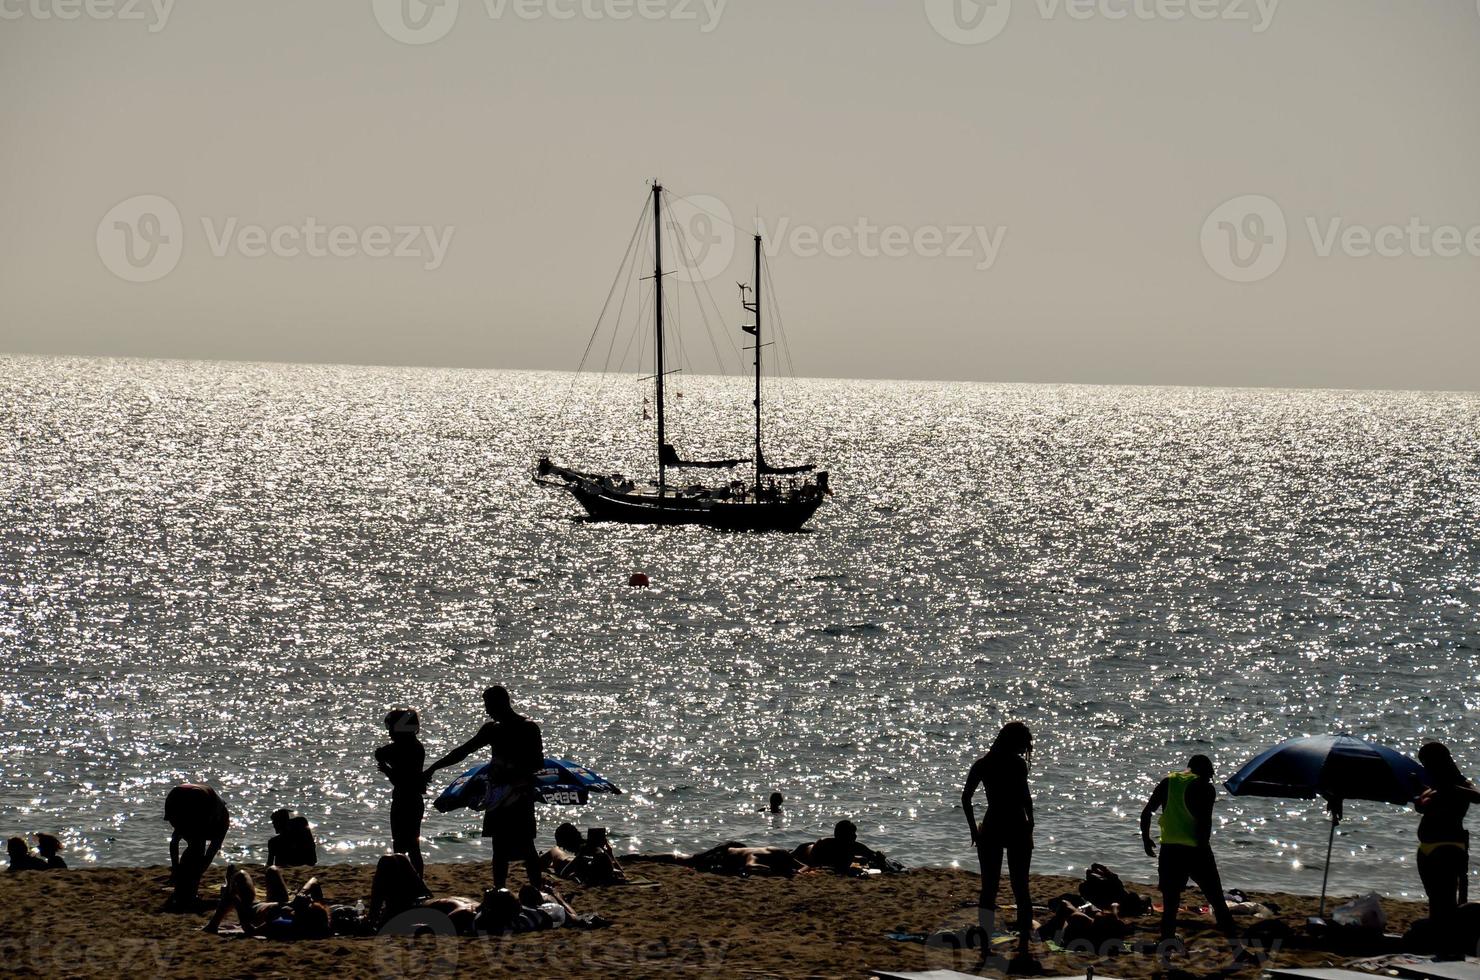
(105,922)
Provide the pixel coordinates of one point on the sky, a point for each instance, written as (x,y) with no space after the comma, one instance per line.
(1191,192)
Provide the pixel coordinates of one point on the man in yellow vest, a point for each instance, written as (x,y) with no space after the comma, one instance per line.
(1185,800)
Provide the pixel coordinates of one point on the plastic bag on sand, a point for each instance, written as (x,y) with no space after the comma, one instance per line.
(1363,913)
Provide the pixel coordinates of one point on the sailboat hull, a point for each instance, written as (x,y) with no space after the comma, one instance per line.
(671,509)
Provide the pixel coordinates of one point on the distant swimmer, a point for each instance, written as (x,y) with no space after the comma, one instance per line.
(1006,830)
(1185,800)
(773,805)
(518,756)
(200,819)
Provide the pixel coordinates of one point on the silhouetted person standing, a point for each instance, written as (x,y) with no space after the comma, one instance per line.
(200,819)
(1006,830)
(518,756)
(1185,800)
(402,761)
(1443,843)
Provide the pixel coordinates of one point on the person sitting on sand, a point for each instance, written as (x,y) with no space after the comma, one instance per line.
(841,852)
(292,846)
(1185,800)
(733,858)
(200,819)
(1443,843)
(283,916)
(21,858)
(49,847)
(584,858)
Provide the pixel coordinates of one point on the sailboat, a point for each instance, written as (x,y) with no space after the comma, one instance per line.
(777,498)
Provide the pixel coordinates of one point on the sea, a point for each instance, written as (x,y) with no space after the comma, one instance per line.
(229,572)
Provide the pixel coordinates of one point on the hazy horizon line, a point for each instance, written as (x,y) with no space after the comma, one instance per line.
(388,365)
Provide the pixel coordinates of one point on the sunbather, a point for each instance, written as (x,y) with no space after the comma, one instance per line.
(841,852)
(49,847)
(733,858)
(283,916)
(585,858)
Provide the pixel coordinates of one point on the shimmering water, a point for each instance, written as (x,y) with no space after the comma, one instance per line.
(229,572)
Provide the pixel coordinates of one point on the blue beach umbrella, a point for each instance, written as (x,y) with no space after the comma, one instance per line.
(1335,768)
(560,782)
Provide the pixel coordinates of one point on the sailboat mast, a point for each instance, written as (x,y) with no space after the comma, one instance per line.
(658,327)
(758,346)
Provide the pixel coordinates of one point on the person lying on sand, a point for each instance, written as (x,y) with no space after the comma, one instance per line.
(1073,923)
(584,858)
(532,910)
(50,847)
(397,888)
(21,858)
(299,916)
(842,852)
(200,819)
(734,858)
(292,845)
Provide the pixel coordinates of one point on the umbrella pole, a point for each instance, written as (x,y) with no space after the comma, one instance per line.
(1326,874)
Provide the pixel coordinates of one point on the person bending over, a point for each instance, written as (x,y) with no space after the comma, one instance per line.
(200,819)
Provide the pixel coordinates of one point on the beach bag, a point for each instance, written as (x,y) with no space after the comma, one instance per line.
(1364,914)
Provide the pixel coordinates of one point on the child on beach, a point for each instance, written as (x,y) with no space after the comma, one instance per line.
(402,761)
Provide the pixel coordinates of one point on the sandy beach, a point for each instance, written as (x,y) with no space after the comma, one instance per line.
(105,922)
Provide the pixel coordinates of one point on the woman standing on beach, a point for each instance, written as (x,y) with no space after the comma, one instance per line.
(401,761)
(1443,842)
(1006,828)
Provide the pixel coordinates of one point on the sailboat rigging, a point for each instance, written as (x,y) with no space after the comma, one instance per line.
(766,504)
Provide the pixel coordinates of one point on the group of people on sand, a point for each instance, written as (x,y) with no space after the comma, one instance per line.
(46,857)
(1183,805)
(1182,802)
